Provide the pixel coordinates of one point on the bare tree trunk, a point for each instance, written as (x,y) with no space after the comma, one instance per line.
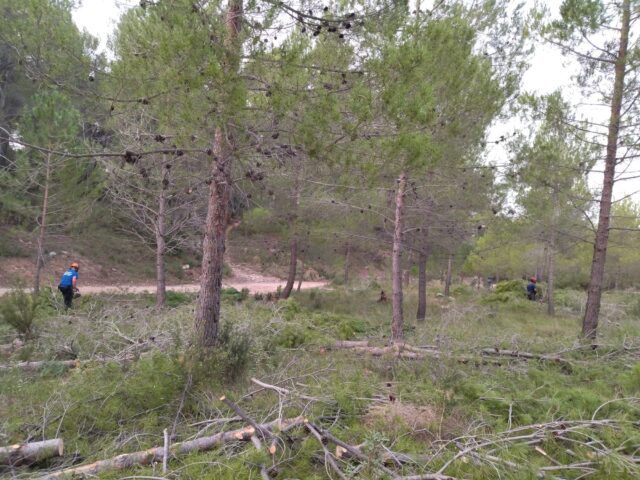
(594,294)
(43,225)
(293,246)
(396,261)
(551,268)
(161,246)
(293,264)
(422,287)
(447,280)
(347,254)
(300,276)
(213,246)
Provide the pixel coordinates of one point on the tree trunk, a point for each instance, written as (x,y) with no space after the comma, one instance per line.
(300,276)
(422,287)
(551,267)
(208,309)
(293,263)
(447,280)
(213,247)
(161,246)
(594,294)
(396,261)
(293,245)
(43,224)
(347,253)
(33,452)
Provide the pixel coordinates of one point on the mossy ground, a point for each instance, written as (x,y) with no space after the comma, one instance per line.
(103,409)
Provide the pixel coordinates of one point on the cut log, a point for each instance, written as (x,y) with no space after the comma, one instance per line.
(527,356)
(27,453)
(35,366)
(153,455)
(398,350)
(68,364)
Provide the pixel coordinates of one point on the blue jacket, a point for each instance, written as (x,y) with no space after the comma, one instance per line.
(67,278)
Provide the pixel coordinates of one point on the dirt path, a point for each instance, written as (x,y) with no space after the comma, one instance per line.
(243,277)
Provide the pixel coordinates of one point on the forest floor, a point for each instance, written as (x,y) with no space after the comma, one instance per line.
(462,399)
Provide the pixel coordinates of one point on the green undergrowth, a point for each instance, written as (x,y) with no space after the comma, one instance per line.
(431,406)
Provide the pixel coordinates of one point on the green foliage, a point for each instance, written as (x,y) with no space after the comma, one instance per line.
(151,385)
(175,299)
(19,309)
(233,295)
(290,308)
(228,360)
(510,286)
(292,336)
(259,220)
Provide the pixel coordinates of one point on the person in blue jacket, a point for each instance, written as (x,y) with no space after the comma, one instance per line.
(532,289)
(68,283)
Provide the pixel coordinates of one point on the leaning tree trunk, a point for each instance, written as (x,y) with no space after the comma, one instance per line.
(422,287)
(447,279)
(293,245)
(43,224)
(396,262)
(207,315)
(594,294)
(161,246)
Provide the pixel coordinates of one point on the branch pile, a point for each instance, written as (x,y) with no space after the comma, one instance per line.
(345,460)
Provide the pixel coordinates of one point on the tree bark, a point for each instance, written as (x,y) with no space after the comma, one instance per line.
(33,452)
(551,267)
(43,224)
(447,279)
(422,287)
(207,315)
(161,247)
(293,264)
(293,220)
(396,261)
(594,294)
(300,276)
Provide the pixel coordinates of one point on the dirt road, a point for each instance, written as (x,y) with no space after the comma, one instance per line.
(243,277)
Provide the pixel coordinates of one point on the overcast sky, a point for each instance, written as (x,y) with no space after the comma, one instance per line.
(549,70)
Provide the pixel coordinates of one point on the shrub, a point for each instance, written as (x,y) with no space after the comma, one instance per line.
(290,308)
(18,309)
(229,359)
(175,299)
(514,286)
(291,336)
(235,296)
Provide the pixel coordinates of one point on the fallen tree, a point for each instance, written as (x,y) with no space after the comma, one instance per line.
(33,452)
(526,355)
(410,352)
(156,454)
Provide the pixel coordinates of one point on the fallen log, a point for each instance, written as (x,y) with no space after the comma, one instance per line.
(68,364)
(526,355)
(155,454)
(33,452)
(400,350)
